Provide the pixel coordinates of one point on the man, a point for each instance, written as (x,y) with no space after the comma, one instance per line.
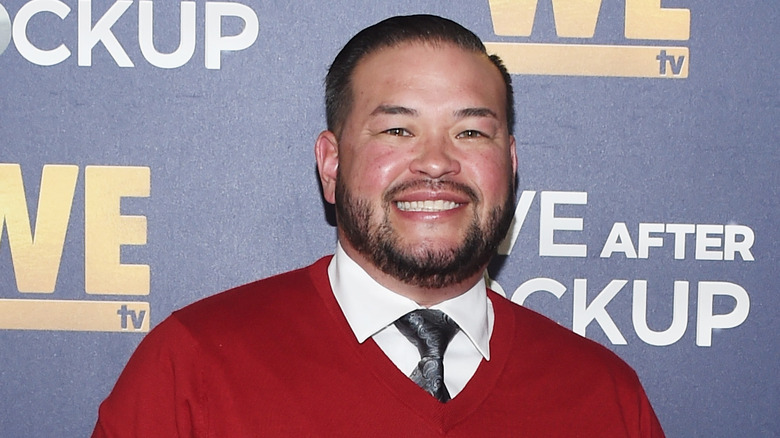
(396,334)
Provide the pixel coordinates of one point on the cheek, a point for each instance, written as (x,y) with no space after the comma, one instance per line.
(376,171)
(492,174)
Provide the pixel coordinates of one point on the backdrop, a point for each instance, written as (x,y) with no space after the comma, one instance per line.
(154,153)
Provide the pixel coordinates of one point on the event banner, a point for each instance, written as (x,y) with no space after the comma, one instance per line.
(153,153)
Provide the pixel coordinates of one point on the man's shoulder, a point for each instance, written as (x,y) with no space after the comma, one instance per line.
(562,372)
(557,345)
(250,301)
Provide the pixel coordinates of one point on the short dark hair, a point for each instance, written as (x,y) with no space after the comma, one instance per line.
(390,33)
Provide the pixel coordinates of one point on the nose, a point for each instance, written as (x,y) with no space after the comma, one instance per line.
(434,157)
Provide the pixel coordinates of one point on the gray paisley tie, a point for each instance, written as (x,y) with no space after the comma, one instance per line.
(430,331)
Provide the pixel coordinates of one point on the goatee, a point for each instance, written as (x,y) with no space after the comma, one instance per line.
(422,267)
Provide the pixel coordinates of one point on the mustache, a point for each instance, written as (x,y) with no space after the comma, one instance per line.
(430,184)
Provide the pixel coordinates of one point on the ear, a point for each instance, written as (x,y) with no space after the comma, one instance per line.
(326,150)
(513,155)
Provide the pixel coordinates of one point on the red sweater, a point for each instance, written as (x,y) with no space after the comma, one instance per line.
(277,358)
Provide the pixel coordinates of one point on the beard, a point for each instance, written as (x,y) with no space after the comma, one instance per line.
(424,267)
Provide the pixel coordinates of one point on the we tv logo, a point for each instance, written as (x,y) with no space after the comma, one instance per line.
(32,301)
(643,20)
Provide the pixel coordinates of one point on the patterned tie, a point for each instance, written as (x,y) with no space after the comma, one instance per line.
(430,331)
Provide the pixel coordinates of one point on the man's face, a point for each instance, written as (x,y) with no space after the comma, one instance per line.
(424,164)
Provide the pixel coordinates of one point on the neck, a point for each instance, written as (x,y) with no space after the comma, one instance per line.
(423,296)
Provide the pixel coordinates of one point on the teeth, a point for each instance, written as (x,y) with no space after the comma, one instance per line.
(428,206)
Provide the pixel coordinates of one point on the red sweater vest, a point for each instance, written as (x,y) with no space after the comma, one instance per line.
(277,358)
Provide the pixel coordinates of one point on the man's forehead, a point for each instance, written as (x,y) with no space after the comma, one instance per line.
(415,45)
(413,67)
(415,57)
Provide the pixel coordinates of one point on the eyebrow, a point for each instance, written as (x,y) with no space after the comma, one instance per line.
(460,114)
(475,112)
(393,110)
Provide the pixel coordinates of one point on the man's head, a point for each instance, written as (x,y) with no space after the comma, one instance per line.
(419,161)
(429,29)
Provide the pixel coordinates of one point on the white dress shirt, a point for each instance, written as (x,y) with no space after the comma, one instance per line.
(371,309)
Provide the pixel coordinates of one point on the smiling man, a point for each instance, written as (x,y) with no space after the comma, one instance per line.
(422,168)
(396,334)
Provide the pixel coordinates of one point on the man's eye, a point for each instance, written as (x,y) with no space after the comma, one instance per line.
(398,132)
(470,133)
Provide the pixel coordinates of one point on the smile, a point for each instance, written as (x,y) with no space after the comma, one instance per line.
(427,206)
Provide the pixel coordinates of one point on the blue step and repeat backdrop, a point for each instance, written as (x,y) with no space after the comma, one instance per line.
(154,153)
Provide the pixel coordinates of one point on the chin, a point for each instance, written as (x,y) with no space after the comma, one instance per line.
(424,247)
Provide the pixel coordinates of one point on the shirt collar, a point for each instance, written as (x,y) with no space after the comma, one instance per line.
(370,307)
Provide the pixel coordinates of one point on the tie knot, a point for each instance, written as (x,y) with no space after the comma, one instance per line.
(429,330)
